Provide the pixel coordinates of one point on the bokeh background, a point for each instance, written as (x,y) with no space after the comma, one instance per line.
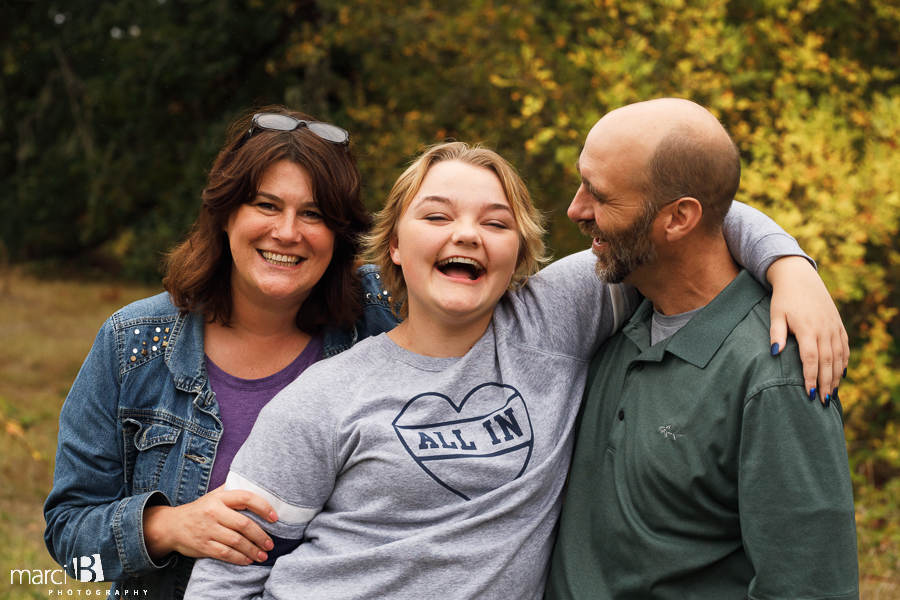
(110,114)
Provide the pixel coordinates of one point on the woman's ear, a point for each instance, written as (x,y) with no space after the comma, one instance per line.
(394,247)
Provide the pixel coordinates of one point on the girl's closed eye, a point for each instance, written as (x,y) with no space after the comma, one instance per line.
(436,218)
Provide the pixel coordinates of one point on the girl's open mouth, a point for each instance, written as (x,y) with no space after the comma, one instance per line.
(461,268)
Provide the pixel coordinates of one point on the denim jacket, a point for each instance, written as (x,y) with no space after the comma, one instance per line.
(140,428)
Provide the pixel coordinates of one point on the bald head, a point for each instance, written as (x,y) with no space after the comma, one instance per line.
(675,149)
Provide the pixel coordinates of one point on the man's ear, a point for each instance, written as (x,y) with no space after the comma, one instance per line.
(681,218)
(394,247)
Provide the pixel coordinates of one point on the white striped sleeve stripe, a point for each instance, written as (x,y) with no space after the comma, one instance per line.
(287,513)
(618,303)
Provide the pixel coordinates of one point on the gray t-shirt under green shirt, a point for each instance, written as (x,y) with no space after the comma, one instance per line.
(665,326)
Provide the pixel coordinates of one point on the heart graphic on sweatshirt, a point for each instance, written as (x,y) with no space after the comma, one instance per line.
(473,447)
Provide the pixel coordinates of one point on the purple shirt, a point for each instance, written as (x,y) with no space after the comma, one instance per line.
(240,401)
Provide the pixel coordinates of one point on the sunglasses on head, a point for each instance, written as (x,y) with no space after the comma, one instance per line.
(275,122)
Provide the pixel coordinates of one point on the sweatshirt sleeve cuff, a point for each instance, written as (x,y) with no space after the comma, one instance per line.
(128,529)
(771,248)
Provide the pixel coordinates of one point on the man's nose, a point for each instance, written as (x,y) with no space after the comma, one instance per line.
(580,209)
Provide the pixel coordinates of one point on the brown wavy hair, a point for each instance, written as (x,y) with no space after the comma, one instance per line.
(198,270)
(529,220)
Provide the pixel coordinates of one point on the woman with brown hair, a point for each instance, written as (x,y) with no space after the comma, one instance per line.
(263,286)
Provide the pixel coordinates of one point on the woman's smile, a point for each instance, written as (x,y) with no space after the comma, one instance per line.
(280,260)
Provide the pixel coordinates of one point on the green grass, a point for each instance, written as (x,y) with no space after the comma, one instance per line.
(46,330)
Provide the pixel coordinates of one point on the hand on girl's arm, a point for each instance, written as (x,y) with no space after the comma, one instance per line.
(802,305)
(210,526)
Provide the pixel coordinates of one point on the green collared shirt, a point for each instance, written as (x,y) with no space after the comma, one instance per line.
(702,470)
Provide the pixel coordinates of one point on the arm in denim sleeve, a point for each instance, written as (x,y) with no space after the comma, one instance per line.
(87,511)
(756,241)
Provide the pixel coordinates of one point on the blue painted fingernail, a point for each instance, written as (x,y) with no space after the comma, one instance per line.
(812,393)
(845,372)
(775,349)
(827,400)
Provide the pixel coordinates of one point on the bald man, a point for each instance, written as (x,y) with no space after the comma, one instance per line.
(703,467)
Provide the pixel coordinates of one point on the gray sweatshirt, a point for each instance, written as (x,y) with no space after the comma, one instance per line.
(397,475)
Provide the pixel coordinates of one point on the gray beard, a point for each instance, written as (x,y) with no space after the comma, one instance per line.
(624,262)
(626,250)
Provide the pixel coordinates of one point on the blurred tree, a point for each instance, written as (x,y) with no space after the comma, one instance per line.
(110,112)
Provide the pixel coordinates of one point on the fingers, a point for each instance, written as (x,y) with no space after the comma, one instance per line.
(826,381)
(824,358)
(227,554)
(209,527)
(246,536)
(244,500)
(839,348)
(229,546)
(778,333)
(801,305)
(809,354)
(845,344)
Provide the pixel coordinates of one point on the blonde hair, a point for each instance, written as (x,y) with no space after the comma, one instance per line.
(529,220)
